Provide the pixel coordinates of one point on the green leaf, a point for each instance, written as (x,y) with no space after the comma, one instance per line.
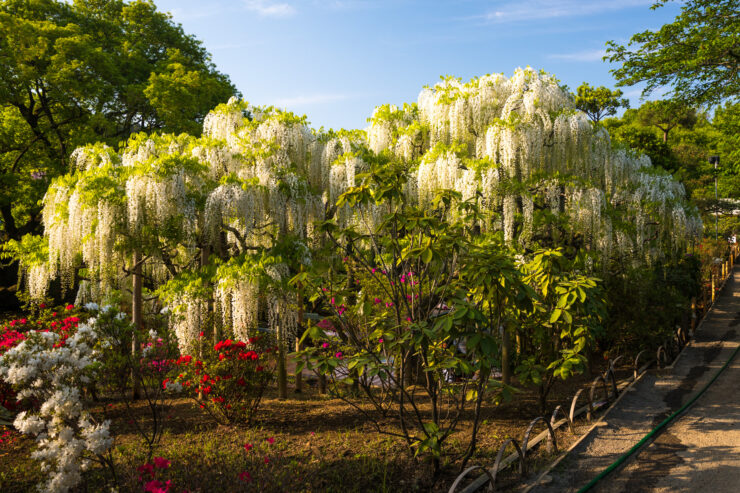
(426,255)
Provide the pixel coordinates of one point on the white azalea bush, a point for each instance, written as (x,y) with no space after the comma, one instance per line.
(54,374)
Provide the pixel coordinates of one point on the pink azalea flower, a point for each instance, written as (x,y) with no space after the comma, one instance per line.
(161,463)
(270,440)
(339,355)
(155,486)
(248,446)
(146,468)
(245,476)
(325,345)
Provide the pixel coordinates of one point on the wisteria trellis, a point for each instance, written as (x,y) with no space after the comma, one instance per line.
(261,174)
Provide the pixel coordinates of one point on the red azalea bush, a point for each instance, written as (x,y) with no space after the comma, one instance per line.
(150,476)
(230,379)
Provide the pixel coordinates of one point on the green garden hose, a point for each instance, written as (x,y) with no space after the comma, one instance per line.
(655,430)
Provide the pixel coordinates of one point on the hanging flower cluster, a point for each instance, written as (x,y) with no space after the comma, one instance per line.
(260,175)
(505,139)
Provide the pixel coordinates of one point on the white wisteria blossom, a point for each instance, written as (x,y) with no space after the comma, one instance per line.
(258,176)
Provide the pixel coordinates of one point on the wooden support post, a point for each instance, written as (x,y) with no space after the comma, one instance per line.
(713,288)
(693,315)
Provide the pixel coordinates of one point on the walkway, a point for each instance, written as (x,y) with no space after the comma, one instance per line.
(699,451)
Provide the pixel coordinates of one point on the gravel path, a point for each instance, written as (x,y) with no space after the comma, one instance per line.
(699,451)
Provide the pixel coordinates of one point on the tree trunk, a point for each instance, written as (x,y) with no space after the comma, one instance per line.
(282,376)
(136,316)
(298,376)
(506,357)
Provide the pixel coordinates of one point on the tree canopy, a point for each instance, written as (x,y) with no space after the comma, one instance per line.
(697,55)
(599,102)
(89,71)
(666,115)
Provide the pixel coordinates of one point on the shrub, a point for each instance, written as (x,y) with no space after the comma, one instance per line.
(231,378)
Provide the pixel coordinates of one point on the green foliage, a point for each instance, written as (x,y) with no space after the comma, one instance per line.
(30,250)
(401,313)
(666,115)
(727,123)
(73,73)
(599,102)
(566,316)
(645,305)
(695,55)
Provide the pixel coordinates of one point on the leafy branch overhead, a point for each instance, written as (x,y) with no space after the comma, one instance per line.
(697,55)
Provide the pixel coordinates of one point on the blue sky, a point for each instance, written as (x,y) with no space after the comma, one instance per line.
(335,60)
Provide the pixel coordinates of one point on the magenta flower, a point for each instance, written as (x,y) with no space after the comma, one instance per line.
(161,463)
(325,345)
(377,300)
(339,355)
(245,476)
(380,341)
(146,469)
(270,440)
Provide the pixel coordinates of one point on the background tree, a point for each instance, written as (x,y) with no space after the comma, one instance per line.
(698,54)
(599,102)
(727,124)
(93,70)
(666,115)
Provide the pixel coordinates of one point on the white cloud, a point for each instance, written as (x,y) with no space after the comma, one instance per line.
(580,56)
(268,8)
(527,10)
(309,99)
